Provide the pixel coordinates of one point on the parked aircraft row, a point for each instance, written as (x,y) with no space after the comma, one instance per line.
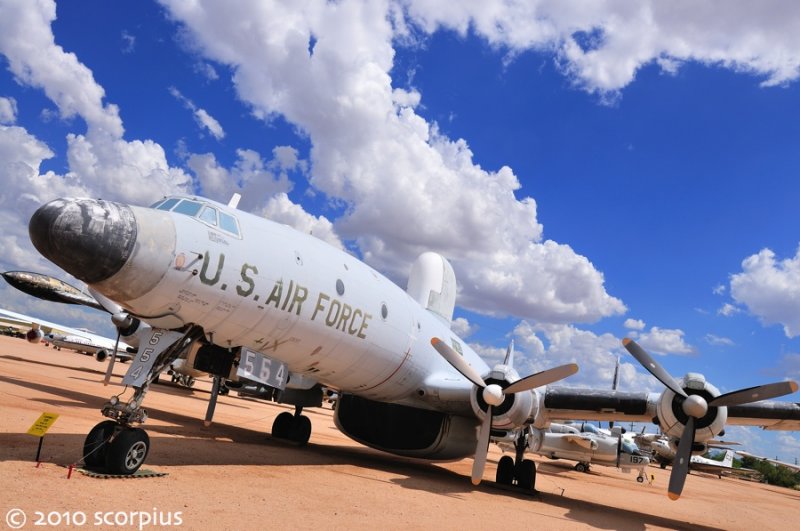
(60,336)
(239,290)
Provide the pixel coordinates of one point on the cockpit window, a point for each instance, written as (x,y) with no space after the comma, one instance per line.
(206,213)
(167,204)
(590,428)
(190,208)
(228,223)
(630,448)
(209,215)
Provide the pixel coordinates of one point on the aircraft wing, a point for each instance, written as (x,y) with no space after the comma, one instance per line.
(572,403)
(94,341)
(26,322)
(584,440)
(773,461)
(567,403)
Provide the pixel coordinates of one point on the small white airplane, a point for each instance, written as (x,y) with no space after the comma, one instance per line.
(587,447)
(239,289)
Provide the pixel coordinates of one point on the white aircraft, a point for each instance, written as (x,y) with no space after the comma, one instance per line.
(87,343)
(565,441)
(61,336)
(231,286)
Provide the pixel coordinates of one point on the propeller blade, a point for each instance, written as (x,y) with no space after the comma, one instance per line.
(651,365)
(680,466)
(542,378)
(482,449)
(110,368)
(754,394)
(109,305)
(458,362)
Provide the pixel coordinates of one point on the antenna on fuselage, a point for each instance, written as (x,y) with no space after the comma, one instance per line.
(235,198)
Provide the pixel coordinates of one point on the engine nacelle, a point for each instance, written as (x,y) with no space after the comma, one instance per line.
(34,335)
(515,410)
(101,355)
(672,419)
(405,430)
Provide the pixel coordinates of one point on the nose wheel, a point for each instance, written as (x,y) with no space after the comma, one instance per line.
(115,449)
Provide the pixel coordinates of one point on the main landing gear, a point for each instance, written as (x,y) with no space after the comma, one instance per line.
(114,446)
(517,470)
(295,428)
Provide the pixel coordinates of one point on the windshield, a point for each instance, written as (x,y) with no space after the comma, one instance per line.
(201,211)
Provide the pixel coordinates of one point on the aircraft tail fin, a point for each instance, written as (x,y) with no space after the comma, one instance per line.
(728,460)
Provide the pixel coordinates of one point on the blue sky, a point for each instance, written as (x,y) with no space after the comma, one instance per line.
(591,173)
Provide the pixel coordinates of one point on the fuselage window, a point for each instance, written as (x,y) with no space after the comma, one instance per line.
(190,208)
(167,204)
(228,223)
(209,215)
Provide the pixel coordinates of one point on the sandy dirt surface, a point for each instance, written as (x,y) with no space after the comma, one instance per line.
(233,475)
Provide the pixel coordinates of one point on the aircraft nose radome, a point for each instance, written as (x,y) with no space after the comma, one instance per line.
(91,239)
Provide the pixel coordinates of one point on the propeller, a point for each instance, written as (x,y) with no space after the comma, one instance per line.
(695,407)
(494,395)
(121,320)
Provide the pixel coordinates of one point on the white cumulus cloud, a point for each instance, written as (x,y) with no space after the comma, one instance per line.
(770,289)
(201,116)
(596,356)
(462,327)
(634,324)
(406,188)
(665,341)
(602,45)
(279,208)
(8,111)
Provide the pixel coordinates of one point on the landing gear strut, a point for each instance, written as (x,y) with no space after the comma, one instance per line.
(518,470)
(115,446)
(295,428)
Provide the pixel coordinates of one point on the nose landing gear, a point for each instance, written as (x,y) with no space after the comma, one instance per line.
(115,446)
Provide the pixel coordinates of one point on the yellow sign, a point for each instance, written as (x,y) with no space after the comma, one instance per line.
(42,424)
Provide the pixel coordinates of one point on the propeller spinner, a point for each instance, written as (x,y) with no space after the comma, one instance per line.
(494,394)
(695,407)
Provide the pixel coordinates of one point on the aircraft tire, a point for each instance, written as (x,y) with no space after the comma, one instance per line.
(526,475)
(127,452)
(640,479)
(505,470)
(663,465)
(282,425)
(300,430)
(95,446)
(580,467)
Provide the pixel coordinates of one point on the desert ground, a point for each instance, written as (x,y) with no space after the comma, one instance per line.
(233,475)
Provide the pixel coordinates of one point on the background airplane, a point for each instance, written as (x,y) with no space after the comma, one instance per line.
(587,447)
(61,336)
